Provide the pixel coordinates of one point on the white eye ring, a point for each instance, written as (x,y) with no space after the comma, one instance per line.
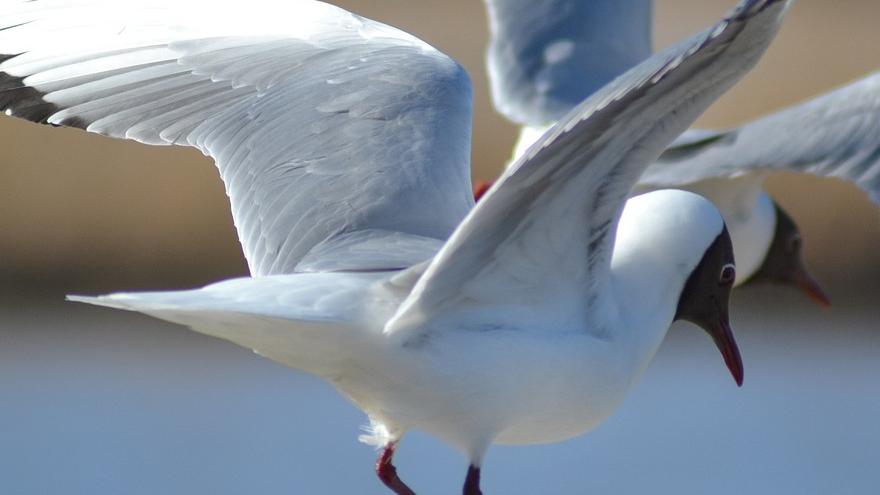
(723,276)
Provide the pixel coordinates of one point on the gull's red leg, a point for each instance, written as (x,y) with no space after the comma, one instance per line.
(472,481)
(388,473)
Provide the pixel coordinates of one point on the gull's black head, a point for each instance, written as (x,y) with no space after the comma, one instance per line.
(784,262)
(705,297)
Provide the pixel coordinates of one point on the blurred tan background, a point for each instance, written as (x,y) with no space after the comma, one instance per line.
(85,213)
(100,401)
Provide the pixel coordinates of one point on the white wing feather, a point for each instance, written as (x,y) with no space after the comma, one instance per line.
(545,230)
(323,124)
(834,135)
(547,56)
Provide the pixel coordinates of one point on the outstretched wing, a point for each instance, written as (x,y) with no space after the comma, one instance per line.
(343,143)
(545,230)
(834,135)
(546,56)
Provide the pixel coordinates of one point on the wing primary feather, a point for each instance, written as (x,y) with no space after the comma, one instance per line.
(573,183)
(833,135)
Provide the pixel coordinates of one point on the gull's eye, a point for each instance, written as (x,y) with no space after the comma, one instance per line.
(728,274)
(794,243)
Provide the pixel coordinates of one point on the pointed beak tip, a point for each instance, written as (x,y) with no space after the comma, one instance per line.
(813,290)
(736,370)
(726,343)
(823,303)
(820,297)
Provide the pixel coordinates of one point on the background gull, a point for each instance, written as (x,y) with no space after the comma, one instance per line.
(535,80)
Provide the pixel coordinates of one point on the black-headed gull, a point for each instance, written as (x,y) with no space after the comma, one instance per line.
(545,56)
(344,143)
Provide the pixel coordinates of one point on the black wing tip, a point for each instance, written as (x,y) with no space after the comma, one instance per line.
(750,8)
(17,99)
(745,12)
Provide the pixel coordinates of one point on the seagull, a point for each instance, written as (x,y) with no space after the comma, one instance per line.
(344,145)
(546,56)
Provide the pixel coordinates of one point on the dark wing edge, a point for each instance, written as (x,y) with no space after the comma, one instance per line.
(378,152)
(590,160)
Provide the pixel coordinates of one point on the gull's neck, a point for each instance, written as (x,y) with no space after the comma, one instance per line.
(645,305)
(661,238)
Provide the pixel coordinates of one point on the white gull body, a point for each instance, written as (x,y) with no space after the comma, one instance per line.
(517,375)
(343,144)
(835,135)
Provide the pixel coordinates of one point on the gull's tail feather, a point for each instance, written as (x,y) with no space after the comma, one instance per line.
(115,301)
(305,321)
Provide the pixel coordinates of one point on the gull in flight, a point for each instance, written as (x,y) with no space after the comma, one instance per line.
(546,56)
(344,146)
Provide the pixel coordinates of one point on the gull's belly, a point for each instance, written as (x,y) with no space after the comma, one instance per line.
(514,390)
(559,420)
(555,407)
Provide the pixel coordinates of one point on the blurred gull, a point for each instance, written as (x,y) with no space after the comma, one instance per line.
(344,144)
(545,56)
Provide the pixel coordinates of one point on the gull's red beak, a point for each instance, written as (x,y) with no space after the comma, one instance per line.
(802,279)
(705,298)
(722,334)
(784,263)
